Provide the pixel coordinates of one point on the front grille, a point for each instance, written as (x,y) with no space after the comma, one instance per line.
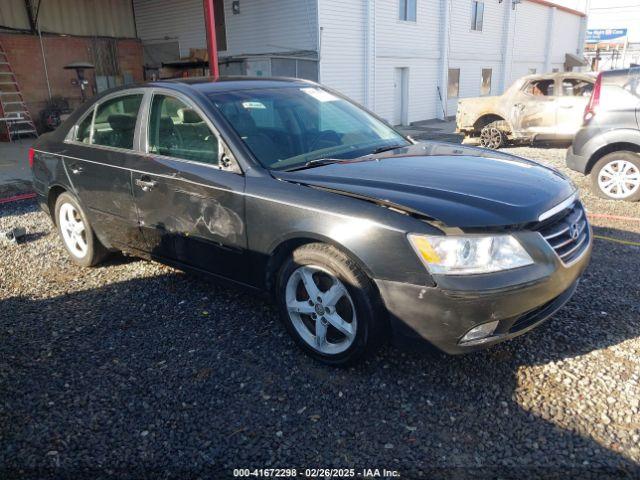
(568,234)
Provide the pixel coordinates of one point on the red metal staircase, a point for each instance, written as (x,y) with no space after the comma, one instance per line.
(15,119)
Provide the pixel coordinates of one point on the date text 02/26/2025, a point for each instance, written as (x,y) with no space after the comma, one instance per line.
(315,473)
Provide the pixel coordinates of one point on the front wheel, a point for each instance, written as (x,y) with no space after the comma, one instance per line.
(77,235)
(617,176)
(329,305)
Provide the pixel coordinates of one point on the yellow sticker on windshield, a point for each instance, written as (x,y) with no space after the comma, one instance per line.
(319,94)
(258,105)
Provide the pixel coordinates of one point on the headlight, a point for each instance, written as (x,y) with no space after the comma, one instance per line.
(468,255)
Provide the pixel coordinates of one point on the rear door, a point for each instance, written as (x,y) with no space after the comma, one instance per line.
(189,190)
(575,93)
(98,152)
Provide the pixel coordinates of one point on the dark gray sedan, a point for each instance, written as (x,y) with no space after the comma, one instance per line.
(287,187)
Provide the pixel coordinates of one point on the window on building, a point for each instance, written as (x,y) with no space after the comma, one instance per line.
(574,87)
(408,10)
(477,15)
(485,86)
(178,131)
(541,88)
(533,71)
(453,85)
(283,67)
(291,67)
(115,122)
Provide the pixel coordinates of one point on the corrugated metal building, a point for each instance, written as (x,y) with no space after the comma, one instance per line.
(408,60)
(103,18)
(42,37)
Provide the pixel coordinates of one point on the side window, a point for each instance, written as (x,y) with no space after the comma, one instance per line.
(83,134)
(176,130)
(115,121)
(541,88)
(477,15)
(407,11)
(453,83)
(573,87)
(485,85)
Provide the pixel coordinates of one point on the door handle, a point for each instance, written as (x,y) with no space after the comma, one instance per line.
(146,185)
(76,169)
(567,106)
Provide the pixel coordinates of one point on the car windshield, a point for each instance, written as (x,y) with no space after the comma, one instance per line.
(288,127)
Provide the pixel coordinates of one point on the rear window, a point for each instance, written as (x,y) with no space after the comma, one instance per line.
(621,91)
(115,121)
(113,124)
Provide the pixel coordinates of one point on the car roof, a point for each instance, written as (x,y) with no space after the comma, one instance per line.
(552,76)
(207,85)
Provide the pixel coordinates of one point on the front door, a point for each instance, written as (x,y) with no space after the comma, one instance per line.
(190,202)
(534,109)
(97,158)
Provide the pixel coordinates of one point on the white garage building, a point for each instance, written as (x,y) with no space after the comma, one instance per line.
(408,60)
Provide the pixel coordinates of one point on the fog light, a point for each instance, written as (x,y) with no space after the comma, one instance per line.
(481,331)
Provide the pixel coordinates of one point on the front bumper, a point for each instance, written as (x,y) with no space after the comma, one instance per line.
(576,162)
(443,314)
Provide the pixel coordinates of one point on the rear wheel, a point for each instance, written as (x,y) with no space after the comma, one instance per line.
(329,305)
(77,235)
(617,176)
(495,135)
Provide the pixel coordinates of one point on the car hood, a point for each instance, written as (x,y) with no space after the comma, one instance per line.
(458,186)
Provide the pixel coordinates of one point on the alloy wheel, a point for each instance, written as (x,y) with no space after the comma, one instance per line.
(73,230)
(321,309)
(619,179)
(491,138)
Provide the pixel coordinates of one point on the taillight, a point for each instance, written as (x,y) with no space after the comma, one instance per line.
(594,101)
(32,153)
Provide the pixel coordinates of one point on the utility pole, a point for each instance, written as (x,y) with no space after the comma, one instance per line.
(212,46)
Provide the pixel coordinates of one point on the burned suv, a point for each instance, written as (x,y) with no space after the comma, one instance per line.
(534,108)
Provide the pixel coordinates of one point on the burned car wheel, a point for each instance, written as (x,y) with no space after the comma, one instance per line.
(617,176)
(494,135)
(329,305)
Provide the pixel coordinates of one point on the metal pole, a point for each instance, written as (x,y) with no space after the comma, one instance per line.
(212,47)
(44,61)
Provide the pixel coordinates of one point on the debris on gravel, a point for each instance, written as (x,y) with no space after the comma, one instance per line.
(135,370)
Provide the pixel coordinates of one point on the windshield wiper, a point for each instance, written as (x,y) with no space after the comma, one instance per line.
(386,148)
(318,162)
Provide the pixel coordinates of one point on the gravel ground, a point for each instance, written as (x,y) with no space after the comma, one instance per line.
(136,370)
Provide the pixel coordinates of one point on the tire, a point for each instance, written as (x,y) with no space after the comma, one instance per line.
(358,303)
(495,135)
(76,233)
(603,180)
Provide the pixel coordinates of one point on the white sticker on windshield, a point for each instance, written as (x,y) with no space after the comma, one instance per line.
(258,105)
(320,95)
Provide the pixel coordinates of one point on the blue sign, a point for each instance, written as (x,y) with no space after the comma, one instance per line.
(606,35)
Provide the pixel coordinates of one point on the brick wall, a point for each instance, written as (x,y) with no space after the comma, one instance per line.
(25,56)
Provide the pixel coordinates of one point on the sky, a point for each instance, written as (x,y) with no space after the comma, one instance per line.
(610,14)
